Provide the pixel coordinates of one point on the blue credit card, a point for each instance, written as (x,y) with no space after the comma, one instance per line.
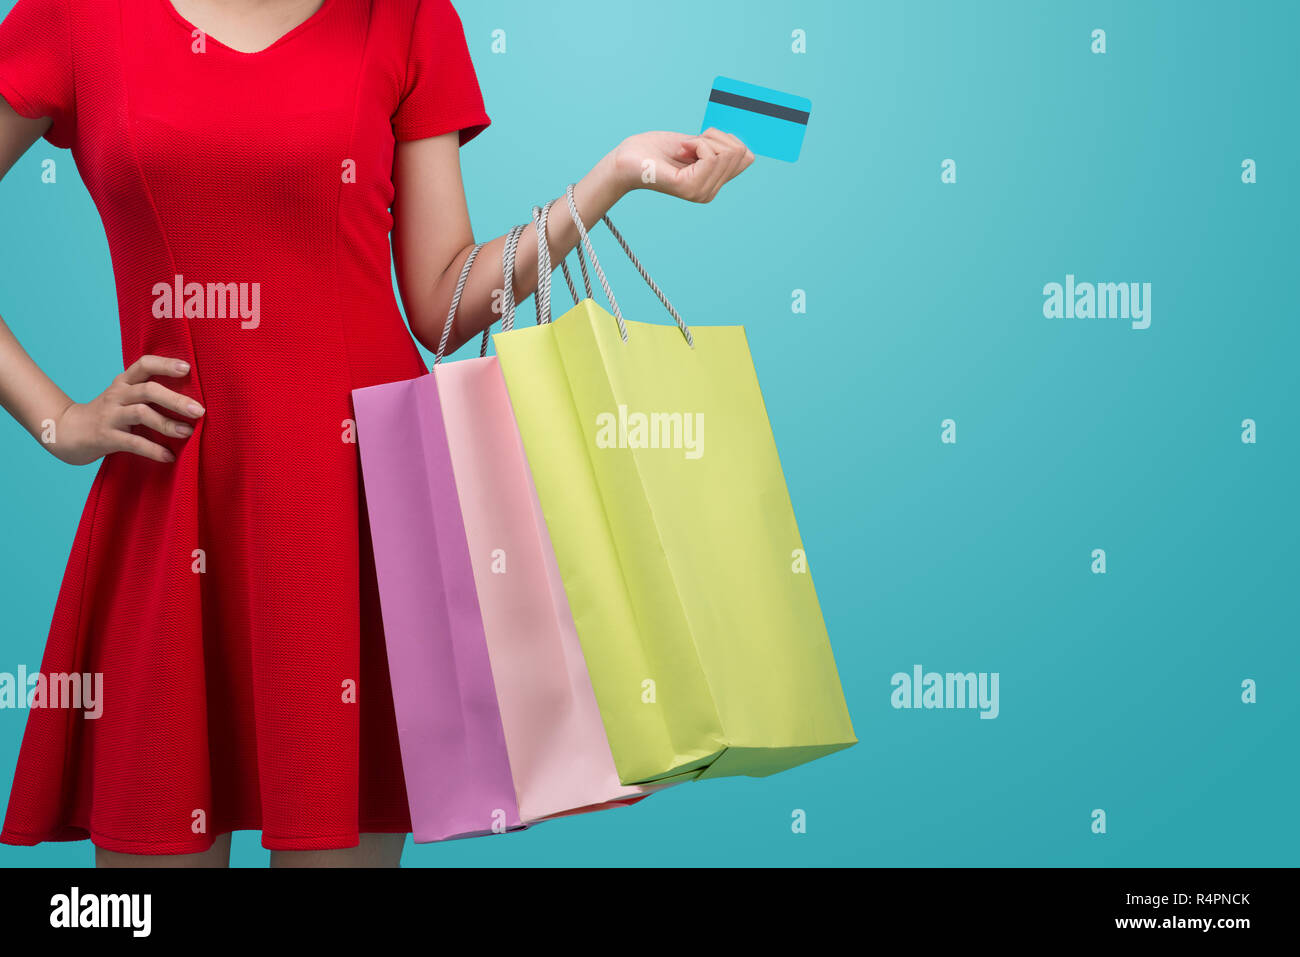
(769,122)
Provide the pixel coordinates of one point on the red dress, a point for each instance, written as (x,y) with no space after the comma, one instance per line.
(229,598)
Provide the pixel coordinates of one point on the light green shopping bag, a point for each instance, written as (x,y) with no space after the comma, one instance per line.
(658,476)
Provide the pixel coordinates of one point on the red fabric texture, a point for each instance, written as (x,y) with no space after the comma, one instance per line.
(229,598)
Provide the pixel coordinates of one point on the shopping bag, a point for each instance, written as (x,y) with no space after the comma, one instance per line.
(658,476)
(454,757)
(559,756)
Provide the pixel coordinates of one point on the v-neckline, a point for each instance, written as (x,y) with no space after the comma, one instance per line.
(279,41)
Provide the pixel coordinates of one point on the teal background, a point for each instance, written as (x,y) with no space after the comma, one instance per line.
(1119,692)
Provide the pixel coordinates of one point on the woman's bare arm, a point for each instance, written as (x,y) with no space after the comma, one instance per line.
(25,391)
(77,433)
(431,226)
(431,239)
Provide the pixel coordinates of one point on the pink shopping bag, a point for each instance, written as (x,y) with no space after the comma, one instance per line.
(454,757)
(559,756)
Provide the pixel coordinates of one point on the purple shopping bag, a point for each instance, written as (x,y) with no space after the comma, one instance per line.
(458,781)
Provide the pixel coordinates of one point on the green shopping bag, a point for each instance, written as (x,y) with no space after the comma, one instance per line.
(659,480)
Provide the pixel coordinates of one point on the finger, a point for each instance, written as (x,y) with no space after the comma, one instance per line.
(720,142)
(739,163)
(139,445)
(734,154)
(724,142)
(732,151)
(686,147)
(734,144)
(716,185)
(707,154)
(141,369)
(164,397)
(735,147)
(150,418)
(695,180)
(700,176)
(694,150)
(746,159)
(737,143)
(681,159)
(722,173)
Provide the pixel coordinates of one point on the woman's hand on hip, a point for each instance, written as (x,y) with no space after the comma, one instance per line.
(689,167)
(89,431)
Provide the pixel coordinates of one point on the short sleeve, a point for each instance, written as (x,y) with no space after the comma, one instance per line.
(441,92)
(36,65)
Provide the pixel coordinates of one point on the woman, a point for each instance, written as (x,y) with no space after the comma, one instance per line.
(249,159)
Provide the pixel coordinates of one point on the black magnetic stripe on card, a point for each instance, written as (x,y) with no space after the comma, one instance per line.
(758,106)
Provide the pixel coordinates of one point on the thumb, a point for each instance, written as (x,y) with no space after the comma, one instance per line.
(689,148)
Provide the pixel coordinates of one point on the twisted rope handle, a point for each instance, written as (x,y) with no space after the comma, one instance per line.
(542,299)
(508,271)
(600,273)
(541,218)
(681,323)
(573,291)
(586,280)
(595,263)
(544,315)
(455,302)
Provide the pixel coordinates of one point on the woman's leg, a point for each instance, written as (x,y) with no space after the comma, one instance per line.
(375,850)
(218,855)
